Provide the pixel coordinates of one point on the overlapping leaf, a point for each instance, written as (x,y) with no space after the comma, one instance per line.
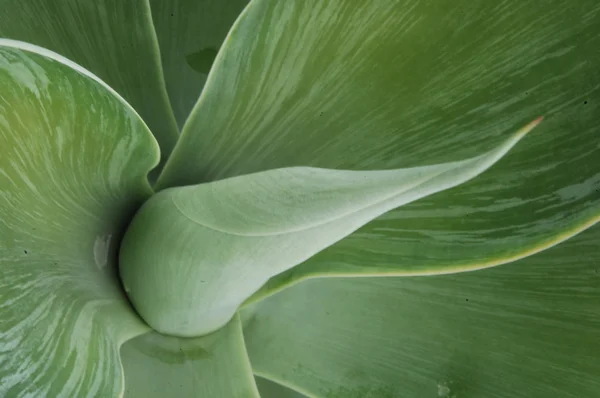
(324,84)
(113,39)
(190,33)
(193,254)
(407,83)
(211,366)
(73,169)
(526,330)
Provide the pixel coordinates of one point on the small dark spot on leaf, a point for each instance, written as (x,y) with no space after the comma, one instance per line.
(584,102)
(25,251)
(172,15)
(466,299)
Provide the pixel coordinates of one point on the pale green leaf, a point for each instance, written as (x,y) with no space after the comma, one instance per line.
(192,255)
(525,330)
(113,39)
(190,33)
(271,389)
(73,163)
(211,366)
(396,84)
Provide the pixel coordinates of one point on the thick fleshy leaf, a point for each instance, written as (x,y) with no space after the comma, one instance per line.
(190,33)
(211,366)
(526,330)
(406,83)
(271,389)
(193,254)
(113,39)
(73,163)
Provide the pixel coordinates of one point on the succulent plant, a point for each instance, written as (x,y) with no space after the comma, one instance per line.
(206,198)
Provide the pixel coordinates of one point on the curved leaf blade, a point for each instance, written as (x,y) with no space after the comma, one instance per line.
(114,40)
(190,34)
(403,84)
(193,254)
(211,366)
(73,166)
(526,329)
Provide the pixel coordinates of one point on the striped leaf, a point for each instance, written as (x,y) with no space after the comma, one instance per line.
(73,169)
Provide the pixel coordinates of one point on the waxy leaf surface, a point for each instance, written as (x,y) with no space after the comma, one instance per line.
(193,254)
(211,366)
(73,166)
(113,39)
(526,330)
(397,84)
(190,34)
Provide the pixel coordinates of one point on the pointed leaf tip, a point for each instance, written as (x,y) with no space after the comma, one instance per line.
(530,126)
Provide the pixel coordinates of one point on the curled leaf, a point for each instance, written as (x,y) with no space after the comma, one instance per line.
(193,254)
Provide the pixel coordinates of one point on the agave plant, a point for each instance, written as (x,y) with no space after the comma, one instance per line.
(283,198)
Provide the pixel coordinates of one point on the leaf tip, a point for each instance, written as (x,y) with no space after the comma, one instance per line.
(522,132)
(531,125)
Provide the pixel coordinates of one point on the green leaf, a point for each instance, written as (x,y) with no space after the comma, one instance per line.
(113,39)
(211,366)
(193,254)
(270,389)
(190,32)
(73,163)
(403,84)
(525,330)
